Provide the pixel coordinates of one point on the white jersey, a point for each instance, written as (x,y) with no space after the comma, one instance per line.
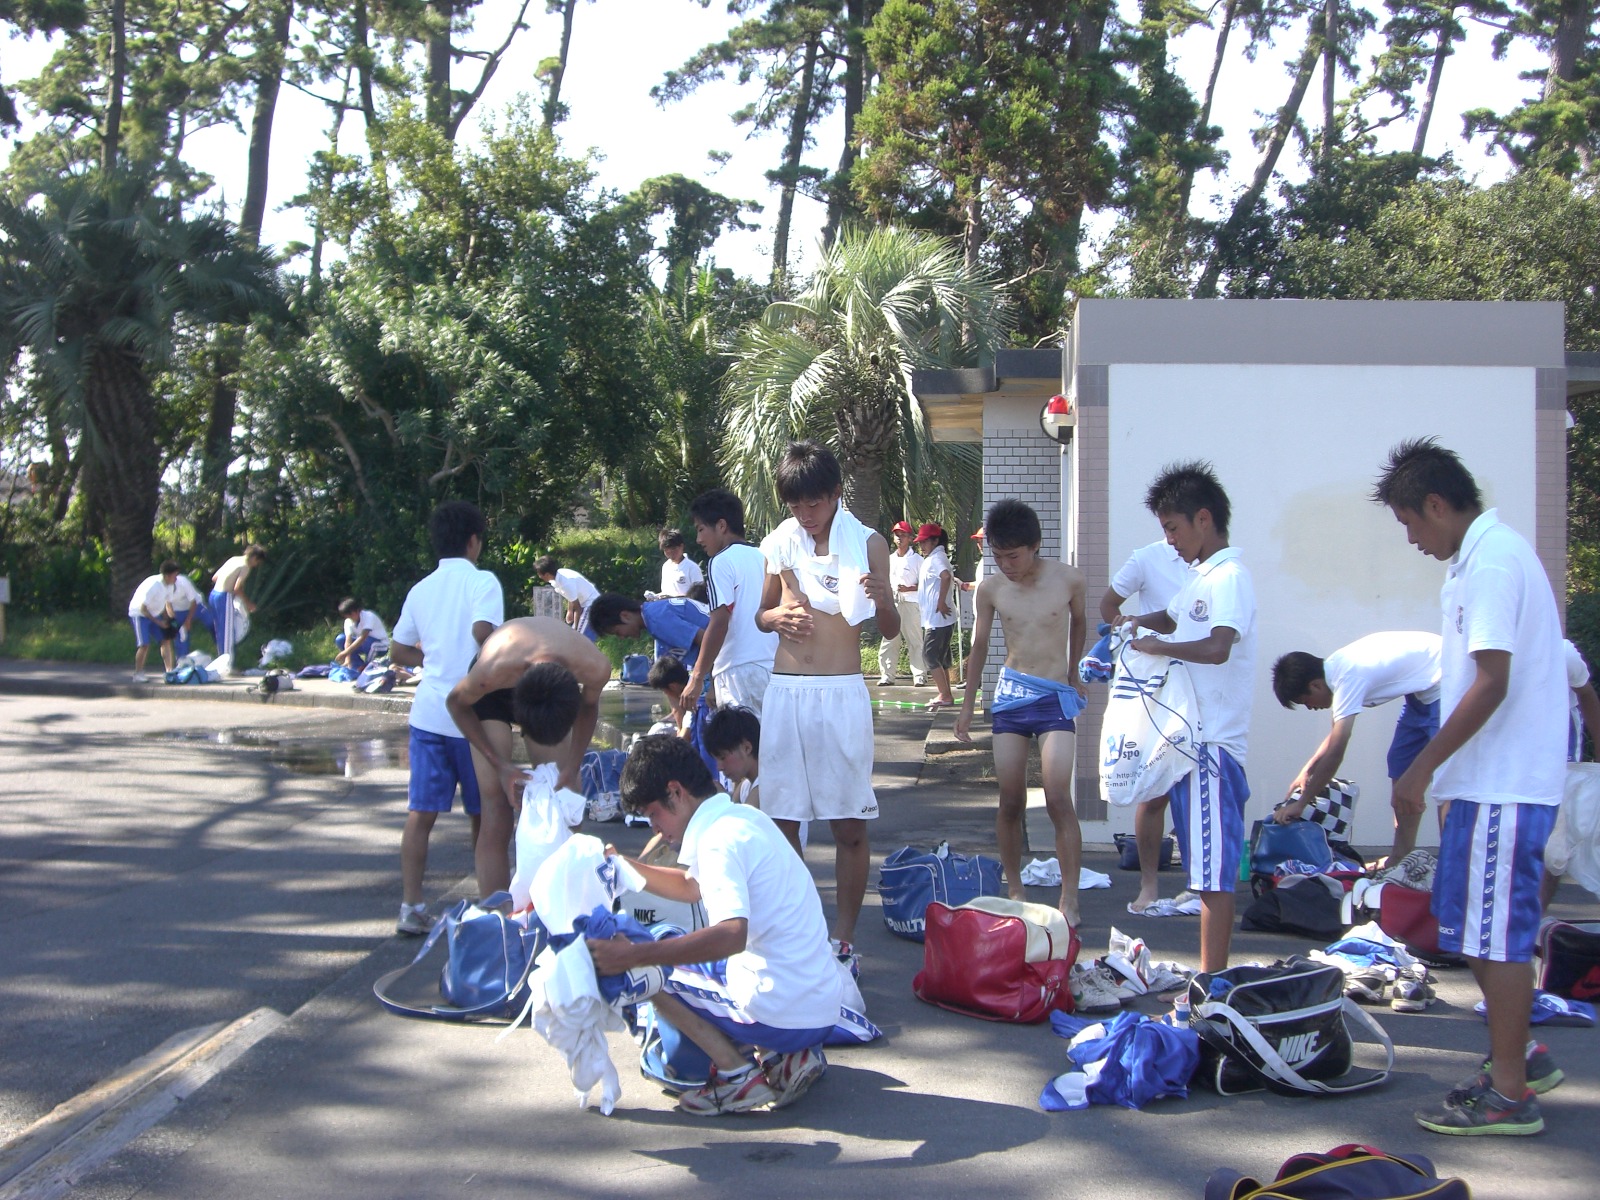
(370,622)
(150,598)
(437,618)
(574,587)
(737,575)
(1221,593)
(904,572)
(1496,596)
(1382,667)
(678,577)
(1155,573)
(929,591)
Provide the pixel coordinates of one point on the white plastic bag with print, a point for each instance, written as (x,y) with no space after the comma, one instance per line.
(1150,729)
(548,815)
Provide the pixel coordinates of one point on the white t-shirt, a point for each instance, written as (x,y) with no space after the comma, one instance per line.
(225,576)
(1155,573)
(785,976)
(372,623)
(1382,667)
(1220,592)
(573,586)
(904,571)
(928,590)
(150,598)
(1496,596)
(735,580)
(184,594)
(1577,676)
(437,618)
(678,577)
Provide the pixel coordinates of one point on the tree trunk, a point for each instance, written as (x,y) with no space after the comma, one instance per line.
(853,34)
(111,143)
(1440,53)
(1330,76)
(789,177)
(1571,35)
(439,101)
(122,425)
(1186,186)
(1245,205)
(868,423)
(552,100)
(363,59)
(217,451)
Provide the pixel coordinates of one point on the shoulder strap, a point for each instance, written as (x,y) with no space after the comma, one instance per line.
(1279,1076)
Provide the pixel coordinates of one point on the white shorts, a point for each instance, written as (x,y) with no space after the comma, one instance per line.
(816,749)
(744,685)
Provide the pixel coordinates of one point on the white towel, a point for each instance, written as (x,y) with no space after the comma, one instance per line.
(785,546)
(569,1012)
(1046,872)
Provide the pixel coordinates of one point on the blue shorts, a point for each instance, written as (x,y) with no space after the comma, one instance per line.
(584,627)
(704,988)
(1486,890)
(438,765)
(1416,727)
(1043,715)
(1208,819)
(147,633)
(223,628)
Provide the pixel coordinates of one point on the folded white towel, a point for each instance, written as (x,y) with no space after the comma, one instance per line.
(788,547)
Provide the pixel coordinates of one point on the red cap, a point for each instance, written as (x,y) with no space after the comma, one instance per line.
(977,536)
(929,532)
(902,527)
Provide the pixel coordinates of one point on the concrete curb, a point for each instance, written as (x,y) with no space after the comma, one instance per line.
(241,691)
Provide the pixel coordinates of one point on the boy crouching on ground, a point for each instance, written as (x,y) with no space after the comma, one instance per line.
(760,973)
(1040,603)
(1213,620)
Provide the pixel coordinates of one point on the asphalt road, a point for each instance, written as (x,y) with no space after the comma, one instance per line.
(154,880)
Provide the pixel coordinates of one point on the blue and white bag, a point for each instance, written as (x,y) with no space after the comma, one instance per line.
(636,669)
(911,879)
(1150,730)
(600,777)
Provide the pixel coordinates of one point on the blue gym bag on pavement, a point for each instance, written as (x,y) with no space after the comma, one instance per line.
(911,879)
(486,974)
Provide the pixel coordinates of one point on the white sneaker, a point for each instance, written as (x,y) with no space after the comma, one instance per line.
(414,922)
(140,677)
(1094,989)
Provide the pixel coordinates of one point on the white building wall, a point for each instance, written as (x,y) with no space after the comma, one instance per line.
(1328,565)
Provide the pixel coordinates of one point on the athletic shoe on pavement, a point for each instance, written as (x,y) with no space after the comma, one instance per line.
(140,677)
(1094,989)
(745,1090)
(846,953)
(1480,1111)
(790,1075)
(1412,992)
(1366,987)
(414,922)
(1543,1074)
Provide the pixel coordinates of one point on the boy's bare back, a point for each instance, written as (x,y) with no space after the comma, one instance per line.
(1036,616)
(519,643)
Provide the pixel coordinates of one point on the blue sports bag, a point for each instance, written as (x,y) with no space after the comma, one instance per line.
(636,669)
(485,976)
(911,879)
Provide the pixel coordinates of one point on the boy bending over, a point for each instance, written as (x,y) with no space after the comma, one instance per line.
(826,574)
(760,973)
(546,678)
(1213,620)
(1040,603)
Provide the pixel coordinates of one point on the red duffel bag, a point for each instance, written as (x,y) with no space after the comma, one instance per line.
(1002,960)
(1405,914)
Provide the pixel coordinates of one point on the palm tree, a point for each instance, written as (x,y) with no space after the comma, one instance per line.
(94,276)
(835,364)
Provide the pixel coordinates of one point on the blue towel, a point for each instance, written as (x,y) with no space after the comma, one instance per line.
(1140,1059)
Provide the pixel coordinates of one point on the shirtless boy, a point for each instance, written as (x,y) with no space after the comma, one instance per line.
(826,574)
(1040,603)
(545,677)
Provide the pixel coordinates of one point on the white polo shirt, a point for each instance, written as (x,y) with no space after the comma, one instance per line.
(1381,667)
(184,594)
(150,598)
(905,571)
(438,617)
(1220,593)
(372,623)
(928,590)
(678,577)
(734,580)
(785,976)
(1155,573)
(1496,596)
(573,586)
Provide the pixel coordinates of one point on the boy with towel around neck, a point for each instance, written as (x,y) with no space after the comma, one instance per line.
(826,574)
(1040,603)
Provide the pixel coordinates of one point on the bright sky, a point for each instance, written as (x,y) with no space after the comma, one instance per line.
(621,48)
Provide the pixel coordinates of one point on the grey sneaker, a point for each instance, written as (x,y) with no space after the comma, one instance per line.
(1480,1111)
(1542,1072)
(1412,990)
(1366,987)
(414,922)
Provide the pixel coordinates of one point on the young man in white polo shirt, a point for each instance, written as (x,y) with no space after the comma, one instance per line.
(572,587)
(760,973)
(444,620)
(1370,671)
(905,566)
(679,573)
(1213,621)
(733,652)
(1154,573)
(1498,761)
(150,613)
